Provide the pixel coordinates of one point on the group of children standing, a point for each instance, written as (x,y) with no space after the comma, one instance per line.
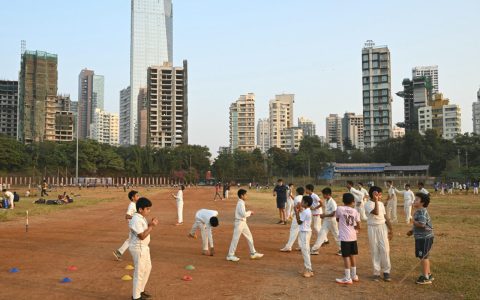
(310,211)
(344,223)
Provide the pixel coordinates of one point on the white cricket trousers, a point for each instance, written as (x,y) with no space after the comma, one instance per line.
(289,208)
(241,227)
(379,248)
(226,194)
(408,212)
(392,210)
(475,190)
(124,246)
(304,242)
(361,210)
(143,266)
(328,224)
(294,229)
(207,238)
(180,211)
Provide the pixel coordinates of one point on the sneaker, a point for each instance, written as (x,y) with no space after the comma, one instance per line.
(430,277)
(233,258)
(386,277)
(344,280)
(423,280)
(178,224)
(117,254)
(256,255)
(285,249)
(284,223)
(280,222)
(145,295)
(307,274)
(376,278)
(339,253)
(355,278)
(326,243)
(193,236)
(314,252)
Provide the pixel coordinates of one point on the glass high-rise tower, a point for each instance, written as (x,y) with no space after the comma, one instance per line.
(151,44)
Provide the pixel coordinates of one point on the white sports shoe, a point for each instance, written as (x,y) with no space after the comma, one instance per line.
(256,255)
(355,278)
(344,280)
(232,258)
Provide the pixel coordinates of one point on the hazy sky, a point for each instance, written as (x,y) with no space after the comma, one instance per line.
(311,48)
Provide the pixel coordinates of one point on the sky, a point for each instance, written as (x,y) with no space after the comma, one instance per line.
(311,48)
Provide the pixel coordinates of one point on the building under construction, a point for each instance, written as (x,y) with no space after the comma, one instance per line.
(39,108)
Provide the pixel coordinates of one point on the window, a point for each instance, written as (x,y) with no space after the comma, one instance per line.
(365,58)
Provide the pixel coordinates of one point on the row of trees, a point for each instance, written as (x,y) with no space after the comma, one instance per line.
(458,159)
(95,159)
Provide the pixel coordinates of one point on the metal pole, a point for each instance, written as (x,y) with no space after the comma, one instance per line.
(76,162)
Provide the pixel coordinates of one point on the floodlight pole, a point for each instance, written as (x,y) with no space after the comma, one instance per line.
(76,156)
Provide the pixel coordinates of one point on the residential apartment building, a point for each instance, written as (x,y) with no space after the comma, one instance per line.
(377,108)
(416,93)
(398,132)
(441,116)
(8,107)
(308,127)
(242,123)
(280,116)
(104,127)
(352,131)
(430,72)
(263,135)
(291,138)
(37,96)
(334,131)
(64,119)
(151,45)
(124,135)
(167,105)
(90,97)
(476,114)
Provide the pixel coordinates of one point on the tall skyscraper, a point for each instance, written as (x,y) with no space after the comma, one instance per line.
(8,107)
(37,96)
(151,45)
(263,135)
(476,114)
(242,123)
(334,131)
(430,72)
(90,97)
(125,113)
(167,105)
(281,117)
(377,98)
(416,93)
(308,127)
(104,127)
(441,116)
(352,131)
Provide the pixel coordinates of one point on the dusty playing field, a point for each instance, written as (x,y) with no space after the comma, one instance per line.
(85,237)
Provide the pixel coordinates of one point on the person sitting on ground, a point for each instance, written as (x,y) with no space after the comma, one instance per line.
(9,197)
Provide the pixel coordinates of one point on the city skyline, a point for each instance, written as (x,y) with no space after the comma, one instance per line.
(210,48)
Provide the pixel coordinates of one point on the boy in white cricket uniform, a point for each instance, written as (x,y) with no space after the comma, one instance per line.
(422,189)
(241,227)
(10,198)
(205,219)
(289,210)
(358,195)
(391,202)
(316,210)
(179,198)
(304,218)
(379,233)
(294,228)
(139,239)
(408,198)
(328,222)
(132,208)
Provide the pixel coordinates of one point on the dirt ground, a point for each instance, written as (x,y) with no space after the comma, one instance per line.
(85,237)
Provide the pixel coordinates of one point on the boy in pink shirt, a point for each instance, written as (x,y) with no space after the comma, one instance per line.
(348,220)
